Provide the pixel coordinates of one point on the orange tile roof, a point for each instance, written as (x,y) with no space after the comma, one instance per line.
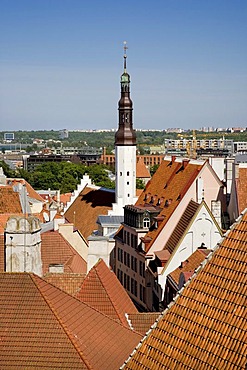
(181,226)
(9,200)
(2,253)
(142,321)
(65,198)
(43,327)
(85,210)
(242,189)
(30,190)
(55,249)
(141,170)
(102,290)
(68,282)
(206,326)
(165,190)
(190,264)
(138,192)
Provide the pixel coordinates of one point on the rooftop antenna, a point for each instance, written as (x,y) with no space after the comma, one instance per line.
(125,54)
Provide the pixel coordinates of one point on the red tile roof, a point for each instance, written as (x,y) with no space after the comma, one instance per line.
(68,282)
(165,190)
(9,200)
(43,327)
(242,188)
(102,290)
(190,264)
(181,226)
(206,326)
(85,210)
(56,250)
(142,321)
(30,190)
(141,170)
(2,253)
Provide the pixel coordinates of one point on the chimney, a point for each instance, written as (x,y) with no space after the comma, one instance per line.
(185,163)
(173,158)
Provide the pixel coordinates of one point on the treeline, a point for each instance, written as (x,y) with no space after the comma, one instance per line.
(106,138)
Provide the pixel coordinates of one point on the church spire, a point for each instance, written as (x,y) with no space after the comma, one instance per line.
(126,134)
(125,56)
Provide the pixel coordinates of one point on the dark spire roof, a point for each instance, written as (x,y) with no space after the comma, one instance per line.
(125,134)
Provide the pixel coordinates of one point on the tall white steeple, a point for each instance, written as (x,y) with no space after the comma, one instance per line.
(125,148)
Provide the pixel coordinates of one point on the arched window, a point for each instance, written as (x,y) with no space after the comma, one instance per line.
(146,222)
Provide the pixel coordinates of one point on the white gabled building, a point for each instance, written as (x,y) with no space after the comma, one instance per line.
(149,224)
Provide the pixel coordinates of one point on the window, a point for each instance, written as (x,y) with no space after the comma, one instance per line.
(128,173)
(128,260)
(128,238)
(142,293)
(134,287)
(134,263)
(125,259)
(142,268)
(128,283)
(132,240)
(120,275)
(120,255)
(146,222)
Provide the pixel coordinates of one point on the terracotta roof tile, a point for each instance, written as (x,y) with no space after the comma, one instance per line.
(181,226)
(190,264)
(167,186)
(142,322)
(85,210)
(56,250)
(242,188)
(43,327)
(65,198)
(2,253)
(141,169)
(102,290)
(30,190)
(206,326)
(68,282)
(9,200)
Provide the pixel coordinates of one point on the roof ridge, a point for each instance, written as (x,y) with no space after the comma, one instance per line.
(63,325)
(108,295)
(73,250)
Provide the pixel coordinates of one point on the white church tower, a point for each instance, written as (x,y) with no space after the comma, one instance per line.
(125,148)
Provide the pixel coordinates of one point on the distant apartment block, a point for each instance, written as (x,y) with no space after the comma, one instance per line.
(64,134)
(148,159)
(9,136)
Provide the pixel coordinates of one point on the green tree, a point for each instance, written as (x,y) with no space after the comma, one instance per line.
(6,169)
(65,176)
(153,169)
(140,184)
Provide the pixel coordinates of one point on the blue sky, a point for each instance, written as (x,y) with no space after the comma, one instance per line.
(61,61)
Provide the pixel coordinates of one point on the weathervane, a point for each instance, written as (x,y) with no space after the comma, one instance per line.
(125,54)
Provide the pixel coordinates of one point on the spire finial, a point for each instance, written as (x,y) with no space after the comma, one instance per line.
(125,54)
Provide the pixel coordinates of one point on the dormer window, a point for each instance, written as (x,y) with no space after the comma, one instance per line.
(146,222)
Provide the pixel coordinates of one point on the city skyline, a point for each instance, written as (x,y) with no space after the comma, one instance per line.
(61,61)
